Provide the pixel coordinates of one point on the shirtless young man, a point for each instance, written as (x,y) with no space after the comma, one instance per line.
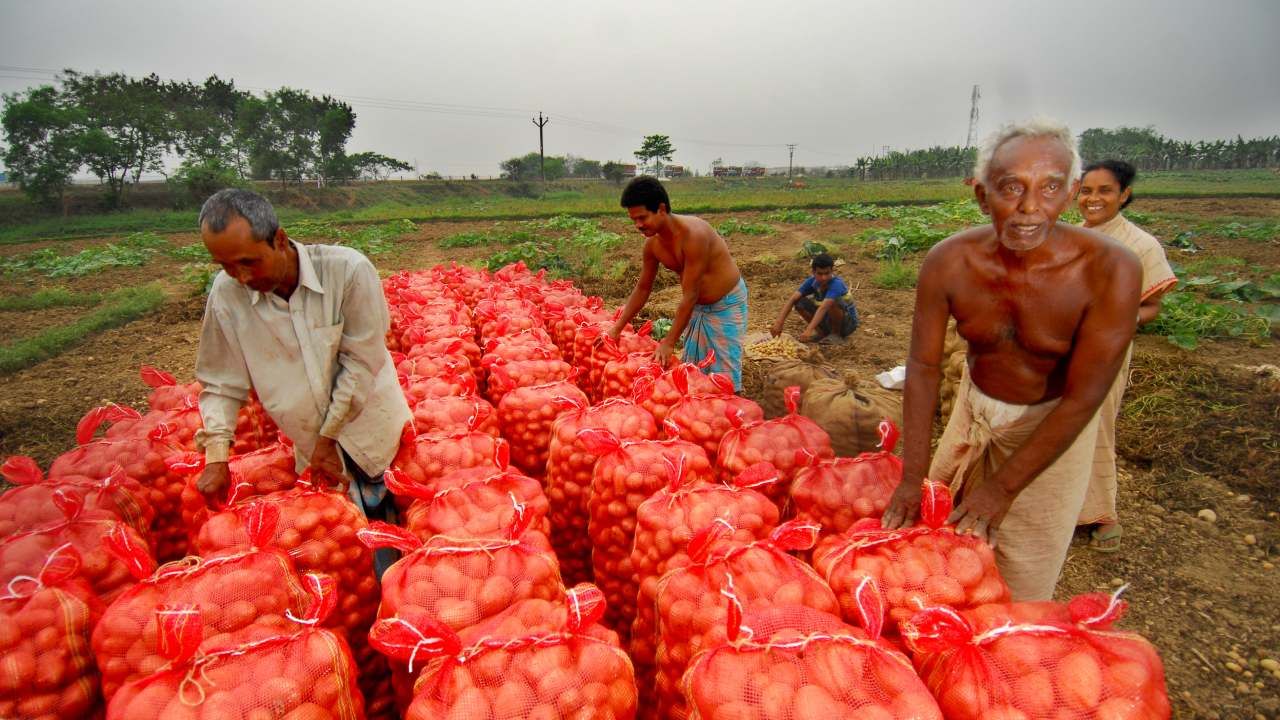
(713,302)
(1048,310)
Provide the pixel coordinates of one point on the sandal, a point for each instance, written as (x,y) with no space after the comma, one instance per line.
(1106,538)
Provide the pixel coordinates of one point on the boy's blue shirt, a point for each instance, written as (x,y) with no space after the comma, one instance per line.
(836,289)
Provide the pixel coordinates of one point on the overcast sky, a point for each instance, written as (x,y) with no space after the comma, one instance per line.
(452,86)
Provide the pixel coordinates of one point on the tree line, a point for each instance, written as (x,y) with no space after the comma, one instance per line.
(118,127)
(1145,148)
(530,166)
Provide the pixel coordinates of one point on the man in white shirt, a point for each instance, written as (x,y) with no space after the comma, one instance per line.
(304,326)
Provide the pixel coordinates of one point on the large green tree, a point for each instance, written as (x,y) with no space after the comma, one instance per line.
(43,136)
(655,149)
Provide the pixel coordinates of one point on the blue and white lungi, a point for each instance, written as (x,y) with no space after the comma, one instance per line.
(719,327)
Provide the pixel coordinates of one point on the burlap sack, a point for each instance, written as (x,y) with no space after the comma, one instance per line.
(785,373)
(851,413)
(954,352)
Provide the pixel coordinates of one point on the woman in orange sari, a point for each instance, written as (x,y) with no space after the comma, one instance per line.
(1106,188)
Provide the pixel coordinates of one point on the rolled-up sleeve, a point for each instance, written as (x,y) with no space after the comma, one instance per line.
(362,351)
(221,370)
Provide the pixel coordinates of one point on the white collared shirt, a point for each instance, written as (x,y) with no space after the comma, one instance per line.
(318,361)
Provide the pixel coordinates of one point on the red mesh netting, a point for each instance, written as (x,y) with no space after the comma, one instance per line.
(46,615)
(626,474)
(424,459)
(790,443)
(507,376)
(569,468)
(473,503)
(417,389)
(31,503)
(706,419)
(241,598)
(665,523)
(527,663)
(837,493)
(304,672)
(455,414)
(693,602)
(1004,662)
(464,346)
(261,472)
(928,564)
(525,417)
(659,393)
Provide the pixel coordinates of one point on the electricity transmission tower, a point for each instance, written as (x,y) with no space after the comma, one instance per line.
(791,155)
(973,115)
(542,157)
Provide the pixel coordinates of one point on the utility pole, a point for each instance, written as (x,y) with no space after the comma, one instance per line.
(791,155)
(973,115)
(542,157)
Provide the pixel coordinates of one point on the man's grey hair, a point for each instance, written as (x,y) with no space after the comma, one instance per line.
(225,205)
(1036,127)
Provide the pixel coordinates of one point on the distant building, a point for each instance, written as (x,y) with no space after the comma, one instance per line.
(673,171)
(628,171)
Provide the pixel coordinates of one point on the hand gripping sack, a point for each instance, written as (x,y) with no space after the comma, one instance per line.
(666,523)
(794,662)
(658,391)
(317,528)
(995,664)
(569,468)
(455,414)
(303,671)
(916,567)
(543,672)
(143,460)
(838,492)
(693,602)
(525,417)
(477,502)
(241,598)
(790,443)
(460,582)
(46,668)
(261,472)
(22,554)
(851,411)
(706,419)
(31,502)
(627,472)
(424,459)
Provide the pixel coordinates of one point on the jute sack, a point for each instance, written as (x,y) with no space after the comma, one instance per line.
(785,373)
(851,413)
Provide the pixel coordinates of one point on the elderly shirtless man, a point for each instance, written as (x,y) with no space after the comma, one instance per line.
(713,300)
(1048,309)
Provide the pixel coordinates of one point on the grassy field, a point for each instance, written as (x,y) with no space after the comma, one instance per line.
(423,201)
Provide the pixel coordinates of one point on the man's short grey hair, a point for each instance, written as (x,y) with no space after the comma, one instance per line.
(1037,127)
(225,205)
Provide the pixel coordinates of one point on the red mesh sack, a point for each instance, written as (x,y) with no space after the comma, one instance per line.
(166,392)
(928,564)
(569,468)
(505,376)
(836,493)
(417,389)
(537,671)
(796,663)
(562,321)
(626,474)
(1004,666)
(180,422)
(424,459)
(261,472)
(525,417)
(424,365)
(143,460)
(585,340)
(300,672)
(790,443)
(254,427)
(492,322)
(46,615)
(601,353)
(31,502)
(459,582)
(531,344)
(621,372)
(473,503)
(706,419)
(658,393)
(455,414)
(317,528)
(666,522)
(241,598)
(466,346)
(23,553)
(693,602)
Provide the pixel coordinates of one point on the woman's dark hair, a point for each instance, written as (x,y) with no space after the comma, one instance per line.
(1123,172)
(647,191)
(822,261)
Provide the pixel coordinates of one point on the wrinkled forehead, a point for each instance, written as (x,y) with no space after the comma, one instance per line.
(1031,156)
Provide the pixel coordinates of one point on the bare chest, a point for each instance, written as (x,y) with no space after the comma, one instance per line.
(1039,318)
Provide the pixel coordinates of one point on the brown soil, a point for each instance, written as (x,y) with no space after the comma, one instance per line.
(1199,431)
